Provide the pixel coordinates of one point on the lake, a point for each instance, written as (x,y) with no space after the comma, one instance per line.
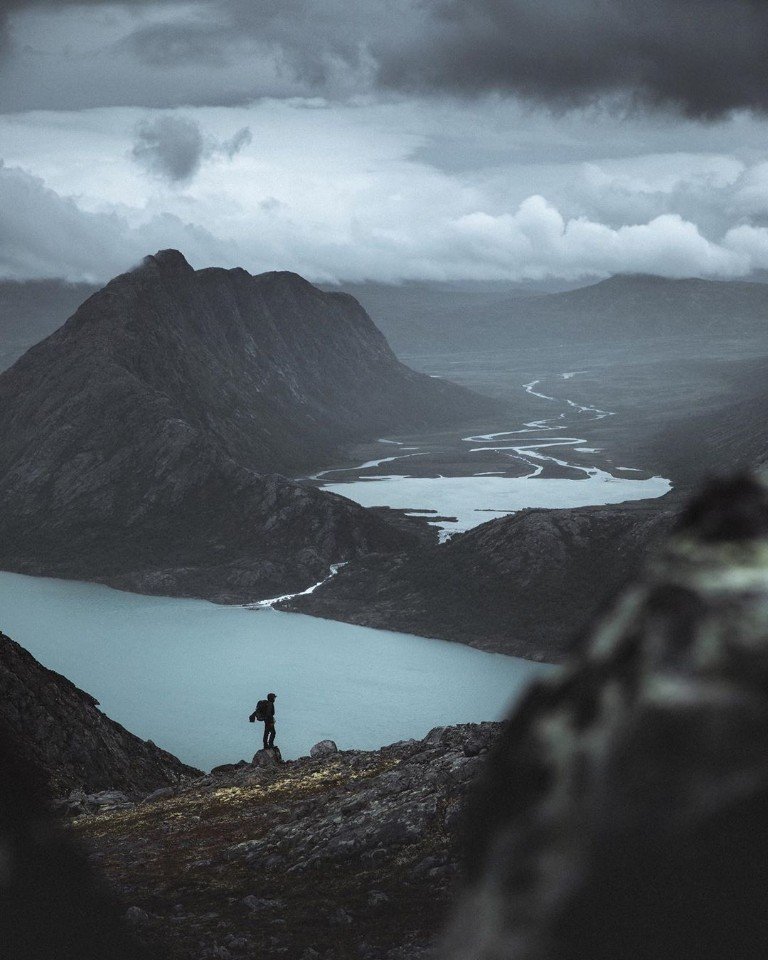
(187,673)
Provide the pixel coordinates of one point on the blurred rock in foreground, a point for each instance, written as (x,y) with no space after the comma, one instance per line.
(624,811)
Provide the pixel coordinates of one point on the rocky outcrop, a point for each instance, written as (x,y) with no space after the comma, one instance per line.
(346,856)
(140,443)
(524,585)
(72,743)
(625,809)
(622,810)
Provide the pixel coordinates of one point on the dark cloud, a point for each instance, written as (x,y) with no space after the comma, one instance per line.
(173,147)
(8,7)
(703,57)
(700,57)
(170,147)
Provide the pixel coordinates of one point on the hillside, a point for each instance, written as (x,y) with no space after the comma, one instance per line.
(141,444)
(522,585)
(76,747)
(347,855)
(733,436)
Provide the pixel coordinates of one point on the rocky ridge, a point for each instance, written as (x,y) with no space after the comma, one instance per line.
(523,585)
(141,444)
(76,747)
(344,854)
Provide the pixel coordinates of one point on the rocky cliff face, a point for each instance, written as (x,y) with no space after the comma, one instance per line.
(625,810)
(71,742)
(134,441)
(524,585)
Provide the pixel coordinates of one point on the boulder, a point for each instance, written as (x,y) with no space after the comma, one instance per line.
(228,767)
(267,758)
(323,749)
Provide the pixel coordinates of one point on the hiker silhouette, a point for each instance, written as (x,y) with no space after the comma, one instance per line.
(265,711)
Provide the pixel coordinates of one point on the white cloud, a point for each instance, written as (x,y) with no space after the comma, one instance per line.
(344,192)
(43,234)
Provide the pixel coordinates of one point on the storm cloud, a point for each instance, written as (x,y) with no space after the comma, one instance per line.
(702,58)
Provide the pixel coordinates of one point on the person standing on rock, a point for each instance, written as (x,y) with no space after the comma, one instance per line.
(265,711)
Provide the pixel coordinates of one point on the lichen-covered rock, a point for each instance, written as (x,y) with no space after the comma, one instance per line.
(160,794)
(323,749)
(268,757)
(624,812)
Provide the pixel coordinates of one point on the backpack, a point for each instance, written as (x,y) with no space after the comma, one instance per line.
(261,710)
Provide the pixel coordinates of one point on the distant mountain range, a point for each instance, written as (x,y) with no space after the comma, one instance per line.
(620,309)
(141,444)
(731,438)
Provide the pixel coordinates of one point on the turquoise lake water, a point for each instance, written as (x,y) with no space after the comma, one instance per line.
(186,673)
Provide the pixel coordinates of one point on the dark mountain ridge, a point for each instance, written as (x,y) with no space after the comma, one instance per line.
(522,585)
(640,306)
(732,437)
(140,443)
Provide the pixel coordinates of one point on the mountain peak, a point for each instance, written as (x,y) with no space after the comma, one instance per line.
(168,263)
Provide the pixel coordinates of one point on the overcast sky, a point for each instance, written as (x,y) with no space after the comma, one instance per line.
(386,139)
